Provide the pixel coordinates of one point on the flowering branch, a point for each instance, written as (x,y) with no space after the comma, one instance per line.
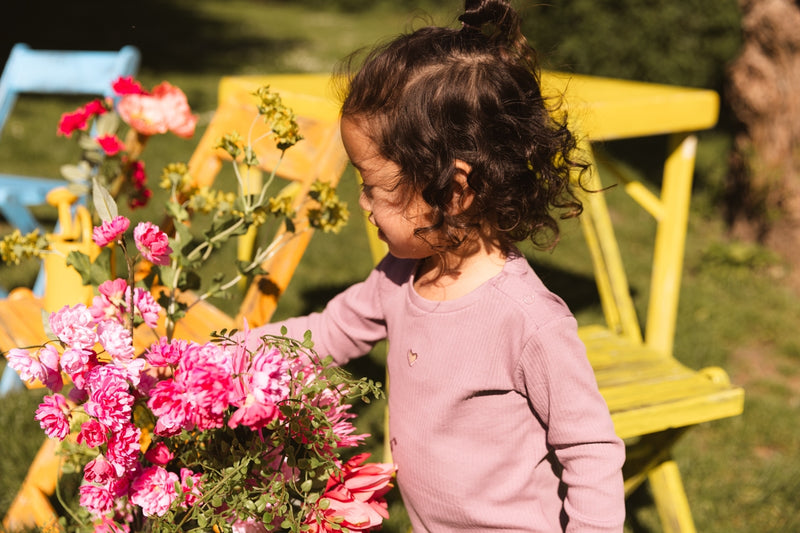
(236,434)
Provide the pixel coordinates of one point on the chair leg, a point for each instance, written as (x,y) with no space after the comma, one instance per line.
(10,381)
(670,498)
(31,507)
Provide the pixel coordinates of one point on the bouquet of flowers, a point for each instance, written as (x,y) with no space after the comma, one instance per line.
(239,433)
(115,158)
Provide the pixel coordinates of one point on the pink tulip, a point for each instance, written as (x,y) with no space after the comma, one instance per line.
(355,497)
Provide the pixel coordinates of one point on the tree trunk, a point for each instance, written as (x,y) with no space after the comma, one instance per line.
(763,200)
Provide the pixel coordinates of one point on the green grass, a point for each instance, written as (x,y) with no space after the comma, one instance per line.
(741,474)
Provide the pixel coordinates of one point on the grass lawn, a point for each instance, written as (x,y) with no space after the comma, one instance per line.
(741,475)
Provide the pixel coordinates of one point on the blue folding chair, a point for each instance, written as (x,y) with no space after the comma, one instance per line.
(54,72)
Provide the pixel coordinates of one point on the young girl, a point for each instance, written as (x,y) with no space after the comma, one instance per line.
(496,423)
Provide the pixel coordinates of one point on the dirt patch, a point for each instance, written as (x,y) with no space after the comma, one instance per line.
(762,366)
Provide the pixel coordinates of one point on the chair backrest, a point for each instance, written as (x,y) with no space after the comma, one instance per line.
(62,72)
(319,156)
(670,209)
(56,72)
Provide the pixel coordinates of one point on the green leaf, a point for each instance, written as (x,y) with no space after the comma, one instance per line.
(189,280)
(88,143)
(46,323)
(107,123)
(167,275)
(81,262)
(177,212)
(101,268)
(104,203)
(79,172)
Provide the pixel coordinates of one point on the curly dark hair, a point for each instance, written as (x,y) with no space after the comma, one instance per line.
(441,94)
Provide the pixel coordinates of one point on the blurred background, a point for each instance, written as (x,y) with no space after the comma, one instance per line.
(739,296)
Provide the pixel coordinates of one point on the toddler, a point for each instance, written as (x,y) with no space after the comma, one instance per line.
(496,422)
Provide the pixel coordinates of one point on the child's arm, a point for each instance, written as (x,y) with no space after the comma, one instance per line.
(348,327)
(563,391)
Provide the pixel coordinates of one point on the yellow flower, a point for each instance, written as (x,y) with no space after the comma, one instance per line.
(331,214)
(281,119)
(176,175)
(16,247)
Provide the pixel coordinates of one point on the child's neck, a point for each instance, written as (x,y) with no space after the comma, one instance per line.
(465,274)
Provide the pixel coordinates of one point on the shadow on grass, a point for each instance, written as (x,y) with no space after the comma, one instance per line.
(172,36)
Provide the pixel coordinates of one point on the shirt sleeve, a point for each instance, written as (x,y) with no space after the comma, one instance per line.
(563,391)
(349,326)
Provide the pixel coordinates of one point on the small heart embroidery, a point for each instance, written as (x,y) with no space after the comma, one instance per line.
(412,358)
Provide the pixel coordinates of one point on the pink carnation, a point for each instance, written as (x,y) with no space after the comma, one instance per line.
(110,230)
(74,326)
(167,403)
(138,175)
(138,178)
(197,395)
(117,341)
(123,448)
(159,454)
(75,362)
(70,122)
(168,353)
(251,525)
(53,416)
(99,470)
(79,119)
(127,85)
(110,401)
(108,525)
(154,490)
(97,499)
(110,144)
(260,384)
(111,303)
(95,107)
(51,375)
(191,486)
(152,243)
(92,433)
(27,367)
(146,306)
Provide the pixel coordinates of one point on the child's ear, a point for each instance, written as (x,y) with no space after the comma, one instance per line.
(462,193)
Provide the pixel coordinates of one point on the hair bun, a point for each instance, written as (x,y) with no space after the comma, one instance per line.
(478,13)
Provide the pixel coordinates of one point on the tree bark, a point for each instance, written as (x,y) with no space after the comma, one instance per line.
(763,196)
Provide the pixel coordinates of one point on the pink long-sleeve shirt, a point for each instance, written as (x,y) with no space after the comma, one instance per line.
(496,422)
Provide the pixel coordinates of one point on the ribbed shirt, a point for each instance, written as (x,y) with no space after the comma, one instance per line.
(496,422)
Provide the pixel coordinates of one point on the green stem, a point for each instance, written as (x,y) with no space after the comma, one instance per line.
(129,261)
(260,257)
